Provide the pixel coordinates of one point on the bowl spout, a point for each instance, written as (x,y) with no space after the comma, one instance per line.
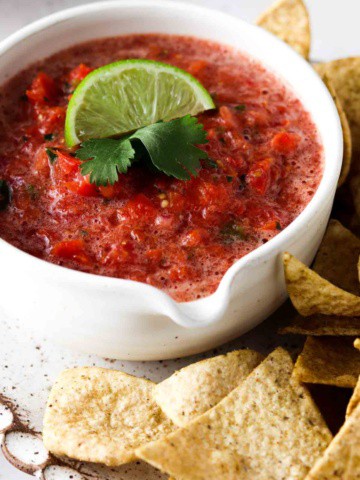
(198,314)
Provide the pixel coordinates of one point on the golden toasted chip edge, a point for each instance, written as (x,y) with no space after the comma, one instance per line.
(287,10)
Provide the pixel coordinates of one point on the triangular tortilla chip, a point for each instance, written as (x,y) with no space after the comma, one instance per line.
(355,186)
(336,261)
(100,415)
(341,461)
(289,20)
(328,361)
(312,294)
(195,389)
(319,325)
(344,208)
(354,400)
(338,256)
(345,169)
(345,77)
(268,427)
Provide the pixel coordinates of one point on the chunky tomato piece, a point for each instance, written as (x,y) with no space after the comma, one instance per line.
(154,256)
(195,237)
(263,175)
(107,191)
(71,250)
(142,208)
(78,74)
(87,189)
(50,119)
(43,90)
(121,253)
(67,163)
(272,225)
(257,118)
(229,117)
(258,216)
(213,194)
(179,273)
(41,163)
(82,186)
(258,177)
(285,142)
(177,202)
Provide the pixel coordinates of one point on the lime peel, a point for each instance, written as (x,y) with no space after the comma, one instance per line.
(130,94)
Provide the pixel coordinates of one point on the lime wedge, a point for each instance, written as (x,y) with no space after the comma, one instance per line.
(129,94)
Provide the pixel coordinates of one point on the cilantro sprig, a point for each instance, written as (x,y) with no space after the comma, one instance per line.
(109,157)
(172,148)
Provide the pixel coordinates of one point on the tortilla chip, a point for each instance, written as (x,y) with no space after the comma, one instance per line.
(354,221)
(354,184)
(319,325)
(345,77)
(338,256)
(195,389)
(357,343)
(354,400)
(312,294)
(289,20)
(345,169)
(344,208)
(328,361)
(100,415)
(341,460)
(268,427)
(336,261)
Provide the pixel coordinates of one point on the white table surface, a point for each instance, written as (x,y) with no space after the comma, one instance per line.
(335,34)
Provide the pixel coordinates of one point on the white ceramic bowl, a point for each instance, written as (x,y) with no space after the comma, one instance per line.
(130,320)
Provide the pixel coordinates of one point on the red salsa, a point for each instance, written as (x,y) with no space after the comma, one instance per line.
(180,236)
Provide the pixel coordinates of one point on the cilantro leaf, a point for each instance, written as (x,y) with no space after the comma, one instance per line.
(108,157)
(171,146)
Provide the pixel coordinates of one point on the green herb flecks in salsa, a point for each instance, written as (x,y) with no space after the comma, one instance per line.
(52,156)
(232,231)
(32,191)
(210,163)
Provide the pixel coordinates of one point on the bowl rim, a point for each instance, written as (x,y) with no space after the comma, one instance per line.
(91,280)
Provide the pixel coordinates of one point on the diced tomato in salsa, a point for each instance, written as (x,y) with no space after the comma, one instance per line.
(78,74)
(67,164)
(43,90)
(285,142)
(265,163)
(71,250)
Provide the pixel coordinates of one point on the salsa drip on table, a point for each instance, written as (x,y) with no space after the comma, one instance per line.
(181,236)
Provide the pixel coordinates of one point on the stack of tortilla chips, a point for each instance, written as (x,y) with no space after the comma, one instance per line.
(327,299)
(233,416)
